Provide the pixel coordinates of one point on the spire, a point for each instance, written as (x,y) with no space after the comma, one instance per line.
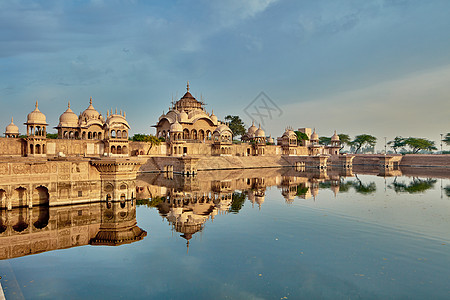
(90,101)
(12,119)
(187,87)
(36,104)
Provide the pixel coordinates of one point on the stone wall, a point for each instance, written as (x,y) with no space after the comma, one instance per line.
(12,146)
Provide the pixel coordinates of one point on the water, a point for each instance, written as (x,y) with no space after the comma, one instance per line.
(375,238)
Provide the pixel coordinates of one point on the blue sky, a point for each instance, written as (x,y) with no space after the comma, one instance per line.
(380,67)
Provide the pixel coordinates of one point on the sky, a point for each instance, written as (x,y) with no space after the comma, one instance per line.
(379,67)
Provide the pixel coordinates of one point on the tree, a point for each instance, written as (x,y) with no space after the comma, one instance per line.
(236,125)
(324,140)
(301,136)
(344,139)
(418,144)
(363,139)
(447,139)
(153,140)
(397,143)
(52,135)
(237,202)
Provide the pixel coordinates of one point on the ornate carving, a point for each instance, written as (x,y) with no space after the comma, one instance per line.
(21,169)
(42,168)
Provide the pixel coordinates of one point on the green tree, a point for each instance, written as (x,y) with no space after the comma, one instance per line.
(447,139)
(364,188)
(397,143)
(362,140)
(301,136)
(416,186)
(52,135)
(148,138)
(344,139)
(237,202)
(236,125)
(418,144)
(324,140)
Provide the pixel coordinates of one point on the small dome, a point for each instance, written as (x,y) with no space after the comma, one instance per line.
(68,118)
(116,119)
(289,133)
(335,137)
(176,127)
(314,136)
(90,113)
(183,116)
(270,140)
(222,128)
(36,117)
(213,118)
(252,129)
(260,132)
(12,128)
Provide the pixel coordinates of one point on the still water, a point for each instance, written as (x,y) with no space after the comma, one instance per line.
(272,234)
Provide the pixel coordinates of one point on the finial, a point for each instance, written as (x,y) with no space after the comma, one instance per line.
(124,115)
(116,110)
(12,119)
(253,122)
(120,112)
(68,104)
(90,101)
(36,104)
(187,87)
(259,125)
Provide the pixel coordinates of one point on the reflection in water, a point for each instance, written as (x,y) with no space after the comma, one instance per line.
(25,231)
(415,186)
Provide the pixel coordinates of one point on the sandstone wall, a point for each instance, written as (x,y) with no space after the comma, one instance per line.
(12,146)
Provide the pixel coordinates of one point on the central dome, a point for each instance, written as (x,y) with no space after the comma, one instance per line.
(188,102)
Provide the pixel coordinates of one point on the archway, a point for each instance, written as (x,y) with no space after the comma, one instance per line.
(19,197)
(41,196)
(43,217)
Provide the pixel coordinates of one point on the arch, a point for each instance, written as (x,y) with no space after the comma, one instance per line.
(89,135)
(41,196)
(43,217)
(19,197)
(43,149)
(123,186)
(124,150)
(113,133)
(95,135)
(119,149)
(193,134)
(38,149)
(66,135)
(22,222)
(185,134)
(99,135)
(113,149)
(124,134)
(2,199)
(77,135)
(179,136)
(119,134)
(83,135)
(201,134)
(31,149)
(71,135)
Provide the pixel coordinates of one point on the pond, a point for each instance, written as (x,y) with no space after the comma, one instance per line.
(248,234)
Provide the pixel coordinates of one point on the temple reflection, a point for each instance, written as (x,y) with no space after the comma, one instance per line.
(25,231)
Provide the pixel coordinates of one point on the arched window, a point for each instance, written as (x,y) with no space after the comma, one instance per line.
(89,135)
(38,149)
(99,135)
(113,133)
(201,135)
(124,150)
(83,135)
(31,149)
(194,134)
(113,149)
(95,135)
(71,135)
(185,134)
(119,150)
(119,134)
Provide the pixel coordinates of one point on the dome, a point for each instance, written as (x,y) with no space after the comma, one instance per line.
(116,119)
(12,128)
(68,118)
(188,102)
(314,136)
(183,116)
(252,129)
(222,128)
(335,137)
(213,117)
(176,127)
(90,113)
(36,117)
(289,133)
(260,132)
(270,140)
